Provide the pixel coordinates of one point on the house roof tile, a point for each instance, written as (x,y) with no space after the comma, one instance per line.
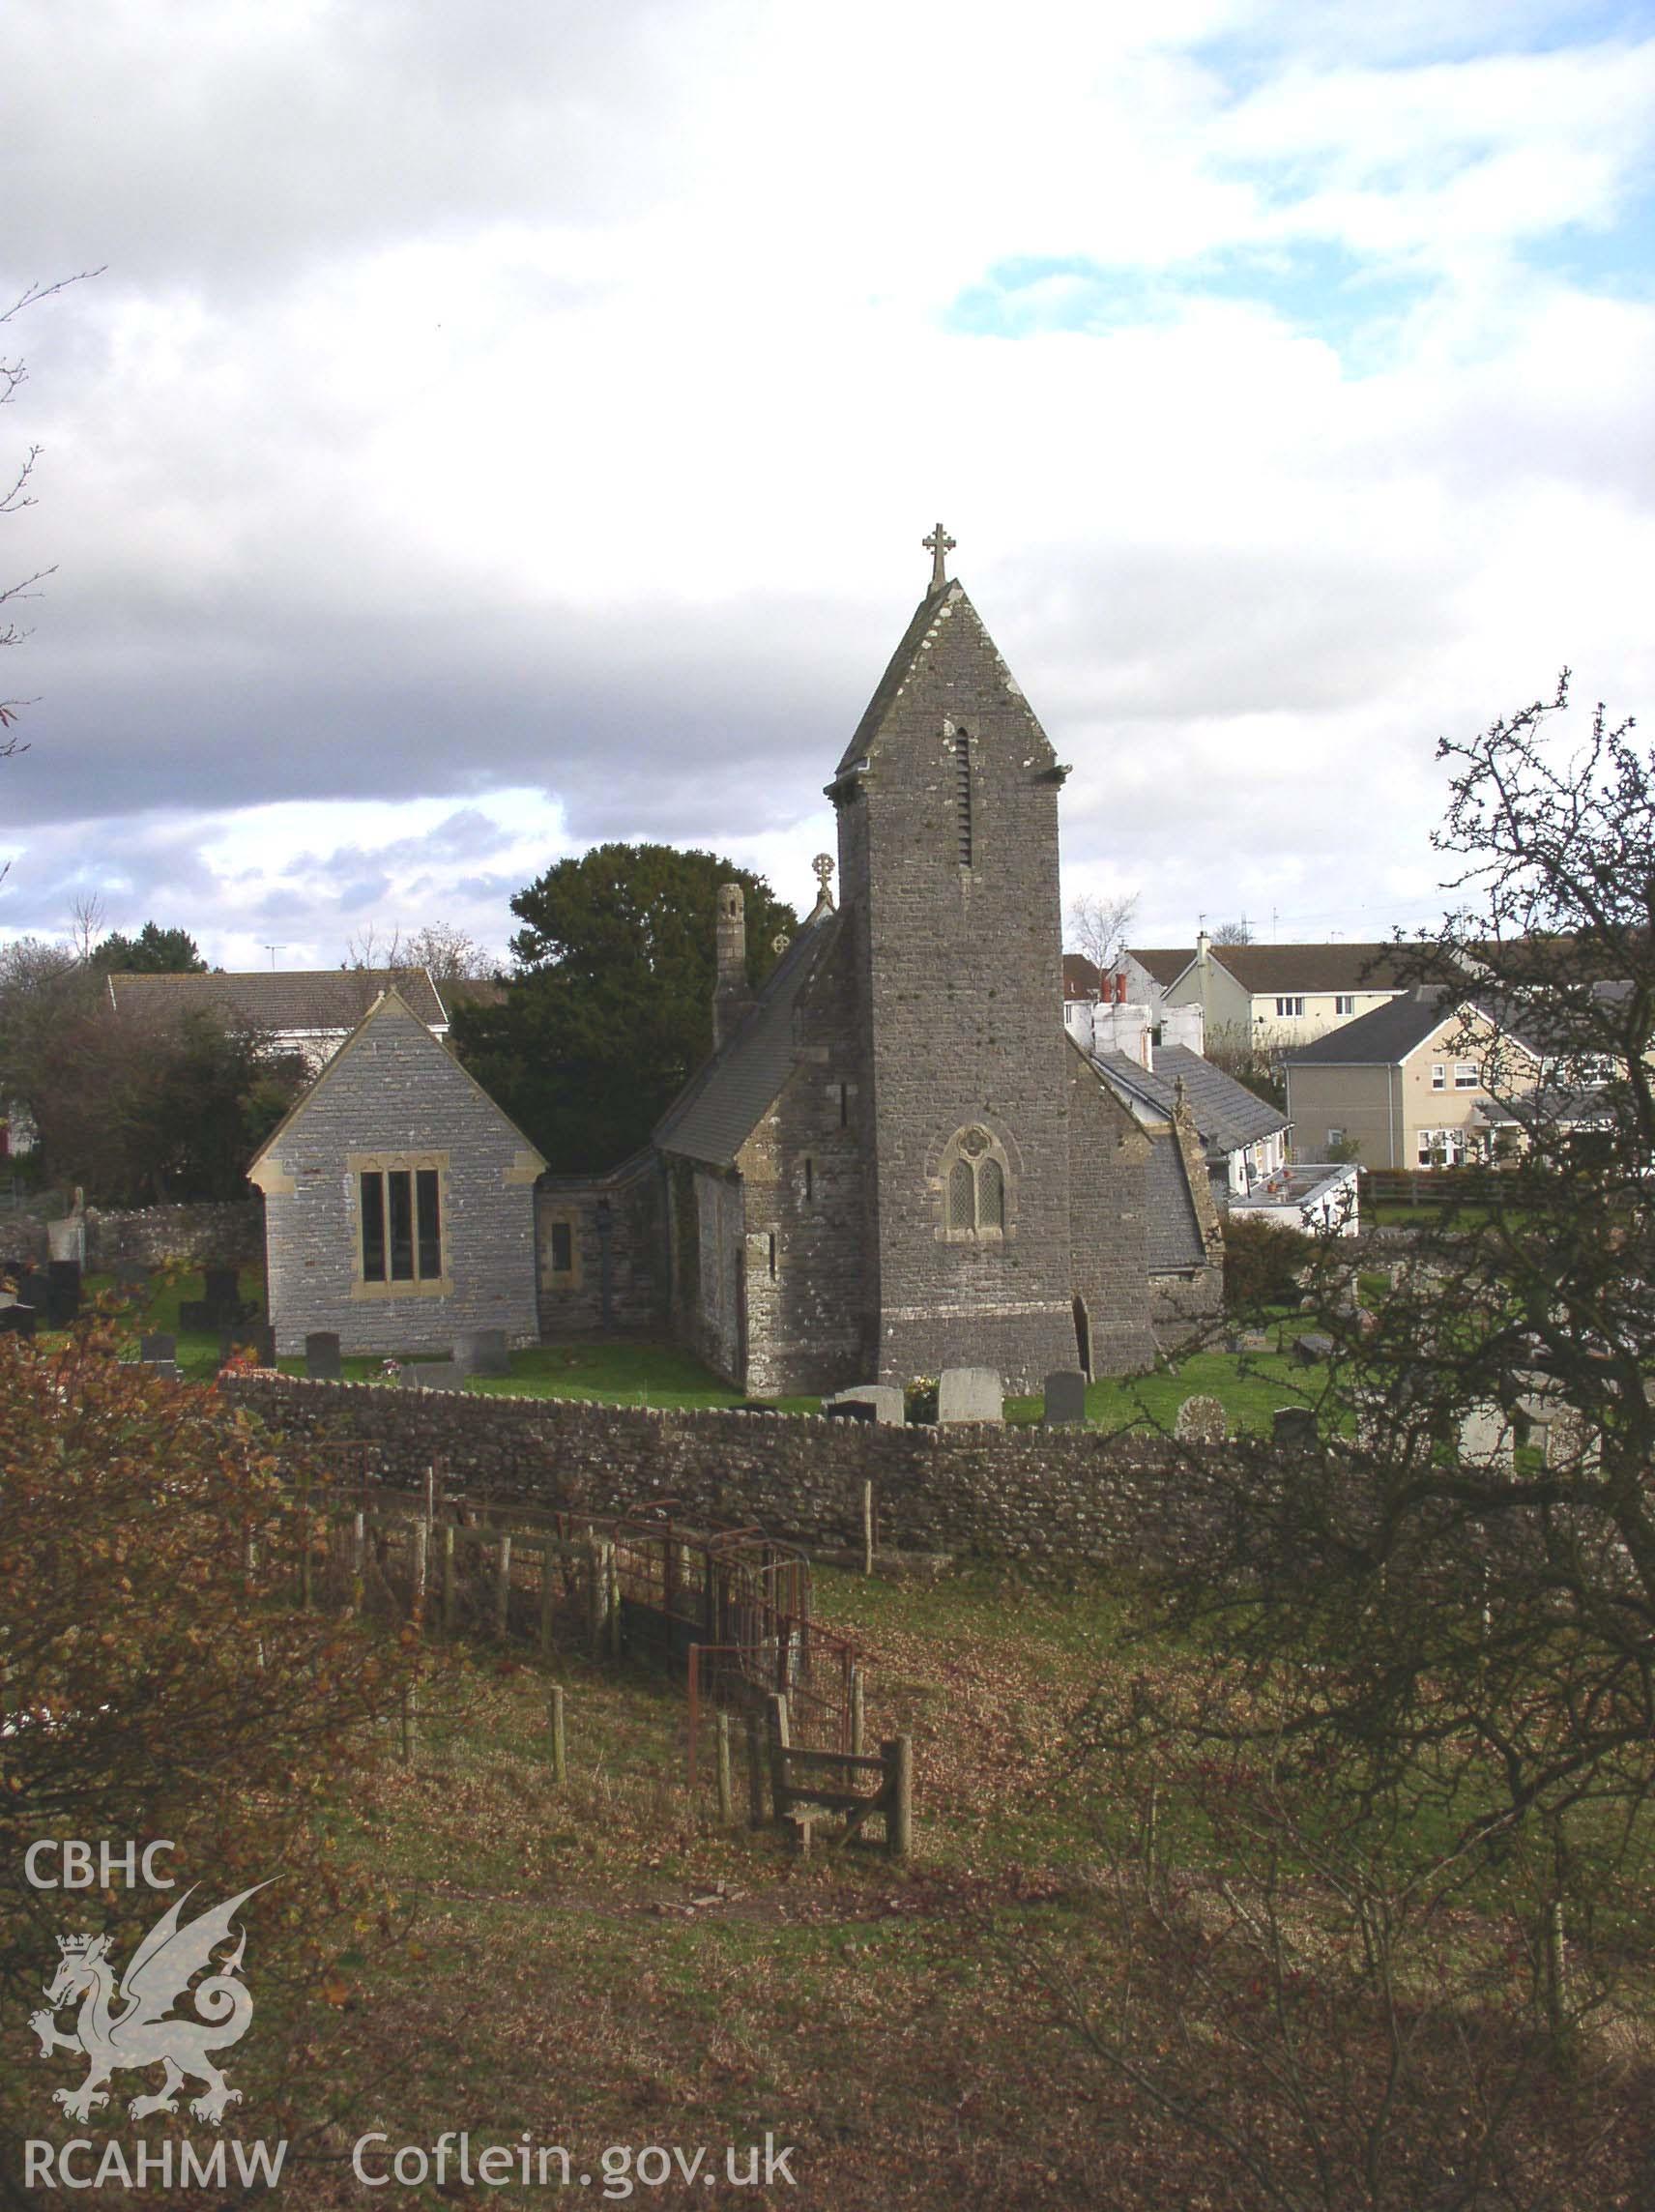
(280,999)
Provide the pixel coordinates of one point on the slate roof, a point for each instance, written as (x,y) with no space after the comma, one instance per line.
(1386,1035)
(718,1109)
(1227,1115)
(1285,967)
(280,999)
(1081,977)
(1174,1236)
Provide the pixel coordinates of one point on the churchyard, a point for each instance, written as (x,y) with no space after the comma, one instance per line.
(1250,1386)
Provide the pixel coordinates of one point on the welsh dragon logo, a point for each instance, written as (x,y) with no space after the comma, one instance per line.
(127,2029)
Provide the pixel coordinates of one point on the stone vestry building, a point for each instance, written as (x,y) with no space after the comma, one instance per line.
(398,1200)
(896,1159)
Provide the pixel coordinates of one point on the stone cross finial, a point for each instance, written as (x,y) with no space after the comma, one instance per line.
(939,546)
(822,868)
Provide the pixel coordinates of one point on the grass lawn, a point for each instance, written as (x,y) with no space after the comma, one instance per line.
(605,1965)
(1250,1387)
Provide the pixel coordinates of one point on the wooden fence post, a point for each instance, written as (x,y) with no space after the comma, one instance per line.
(614,1566)
(867,1527)
(359,1553)
(897,1757)
(503,1588)
(422,1564)
(410,1714)
(726,1791)
(448,1577)
(755,1771)
(859,1716)
(560,1749)
(779,1736)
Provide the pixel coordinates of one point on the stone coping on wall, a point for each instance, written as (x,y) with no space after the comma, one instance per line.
(1073,1494)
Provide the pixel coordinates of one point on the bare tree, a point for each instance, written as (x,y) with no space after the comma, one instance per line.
(14,374)
(452,954)
(1099,926)
(368,947)
(1233,932)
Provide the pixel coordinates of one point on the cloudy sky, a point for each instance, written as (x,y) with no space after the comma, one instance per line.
(501,427)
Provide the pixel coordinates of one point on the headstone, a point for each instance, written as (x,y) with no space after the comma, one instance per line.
(1294,1427)
(222,1287)
(158,1350)
(321,1355)
(1311,1350)
(1200,1420)
(970,1394)
(482,1351)
(63,1292)
(262,1337)
(880,1402)
(1065,1397)
(1487,1437)
(165,1369)
(434,1375)
(1571,1439)
(1252,1340)
(16,1320)
(66,1239)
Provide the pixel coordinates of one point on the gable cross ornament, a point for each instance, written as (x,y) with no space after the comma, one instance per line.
(939,546)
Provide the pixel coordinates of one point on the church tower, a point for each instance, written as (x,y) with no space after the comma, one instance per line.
(947,809)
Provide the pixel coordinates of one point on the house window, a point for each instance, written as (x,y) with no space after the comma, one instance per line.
(1290,1009)
(963,797)
(401,1217)
(1465,1075)
(1344,1004)
(974,1180)
(1335,1138)
(1438,1075)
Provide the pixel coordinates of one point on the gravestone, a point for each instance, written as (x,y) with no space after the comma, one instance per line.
(158,1350)
(63,1292)
(66,1239)
(482,1351)
(1487,1437)
(1202,1421)
(262,1337)
(1311,1350)
(970,1394)
(1065,1397)
(1571,1439)
(16,1318)
(435,1374)
(881,1402)
(1252,1340)
(1293,1426)
(321,1355)
(221,1288)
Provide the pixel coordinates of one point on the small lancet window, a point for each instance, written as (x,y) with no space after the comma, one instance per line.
(963,796)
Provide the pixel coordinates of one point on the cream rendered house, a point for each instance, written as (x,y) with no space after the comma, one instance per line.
(1409,1084)
(1275,995)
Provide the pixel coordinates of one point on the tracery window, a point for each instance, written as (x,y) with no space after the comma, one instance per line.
(974,1176)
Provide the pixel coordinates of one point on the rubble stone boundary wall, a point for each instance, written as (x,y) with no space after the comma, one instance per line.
(1048,1495)
(204,1235)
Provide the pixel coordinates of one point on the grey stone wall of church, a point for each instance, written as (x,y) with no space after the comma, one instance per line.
(1109,1156)
(1041,1495)
(802,1174)
(618,1246)
(394,1089)
(704,1231)
(964,1011)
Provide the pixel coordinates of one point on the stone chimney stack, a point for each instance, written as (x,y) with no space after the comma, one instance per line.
(731,997)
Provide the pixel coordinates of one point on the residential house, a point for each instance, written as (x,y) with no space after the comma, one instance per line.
(308,1011)
(1273,997)
(1411,1085)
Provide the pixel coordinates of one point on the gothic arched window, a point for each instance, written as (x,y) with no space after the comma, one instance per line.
(973,1181)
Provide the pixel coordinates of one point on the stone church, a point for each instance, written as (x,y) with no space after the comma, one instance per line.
(896,1158)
